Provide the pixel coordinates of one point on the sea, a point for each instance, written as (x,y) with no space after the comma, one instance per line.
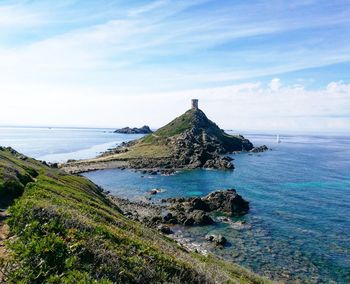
(298,226)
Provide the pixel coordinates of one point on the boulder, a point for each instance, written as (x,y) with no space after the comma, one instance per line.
(165,229)
(218,240)
(155,191)
(198,204)
(188,222)
(259,149)
(227,201)
(200,218)
(218,163)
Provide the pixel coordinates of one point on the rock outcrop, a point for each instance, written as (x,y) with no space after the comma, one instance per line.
(127,130)
(218,240)
(259,149)
(225,201)
(189,141)
(186,211)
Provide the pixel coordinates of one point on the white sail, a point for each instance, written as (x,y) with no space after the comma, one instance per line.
(278,140)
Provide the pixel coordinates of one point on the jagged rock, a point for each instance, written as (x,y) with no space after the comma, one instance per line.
(54,165)
(227,201)
(259,149)
(127,130)
(188,222)
(155,191)
(165,229)
(167,172)
(219,240)
(170,219)
(200,218)
(189,141)
(218,163)
(198,204)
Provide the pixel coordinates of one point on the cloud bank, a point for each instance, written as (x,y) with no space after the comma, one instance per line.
(249,106)
(112,63)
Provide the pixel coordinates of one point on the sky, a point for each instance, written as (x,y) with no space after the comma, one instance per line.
(254,65)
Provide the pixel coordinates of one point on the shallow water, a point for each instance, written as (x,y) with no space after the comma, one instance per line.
(61,144)
(299,223)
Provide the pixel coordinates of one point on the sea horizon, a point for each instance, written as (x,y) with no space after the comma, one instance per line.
(159,141)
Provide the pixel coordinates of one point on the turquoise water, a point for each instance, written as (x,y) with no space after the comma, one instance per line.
(298,227)
(299,223)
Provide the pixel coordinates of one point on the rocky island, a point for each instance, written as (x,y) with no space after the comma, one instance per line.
(127,130)
(189,141)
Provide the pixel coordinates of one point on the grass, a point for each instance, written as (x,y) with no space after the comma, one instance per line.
(146,150)
(160,144)
(67,231)
(175,127)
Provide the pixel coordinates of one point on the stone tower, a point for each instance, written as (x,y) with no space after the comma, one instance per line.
(194,104)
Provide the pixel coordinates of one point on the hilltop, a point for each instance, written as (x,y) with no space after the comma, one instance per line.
(189,141)
(65,229)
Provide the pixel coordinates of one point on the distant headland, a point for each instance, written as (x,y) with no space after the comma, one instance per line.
(127,130)
(189,141)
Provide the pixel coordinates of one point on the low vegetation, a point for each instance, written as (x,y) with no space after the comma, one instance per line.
(65,230)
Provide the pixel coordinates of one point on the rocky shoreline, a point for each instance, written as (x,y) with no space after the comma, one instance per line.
(166,165)
(173,215)
(190,141)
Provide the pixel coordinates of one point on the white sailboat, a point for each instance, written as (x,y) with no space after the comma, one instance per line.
(278,140)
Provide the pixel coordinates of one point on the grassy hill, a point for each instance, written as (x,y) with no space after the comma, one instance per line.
(189,141)
(194,119)
(64,229)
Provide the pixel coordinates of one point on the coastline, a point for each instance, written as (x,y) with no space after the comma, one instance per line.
(281,179)
(54,211)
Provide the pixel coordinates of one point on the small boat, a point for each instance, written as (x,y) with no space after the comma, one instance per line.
(278,140)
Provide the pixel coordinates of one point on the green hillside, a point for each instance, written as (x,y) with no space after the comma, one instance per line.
(196,120)
(65,230)
(189,141)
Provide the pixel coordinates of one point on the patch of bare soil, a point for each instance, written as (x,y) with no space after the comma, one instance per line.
(4,232)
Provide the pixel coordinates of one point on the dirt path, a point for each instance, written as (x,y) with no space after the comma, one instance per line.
(4,232)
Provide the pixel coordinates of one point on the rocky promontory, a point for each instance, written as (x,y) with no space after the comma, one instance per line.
(189,141)
(185,211)
(127,130)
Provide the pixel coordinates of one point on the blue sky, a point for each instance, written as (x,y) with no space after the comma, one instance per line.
(111,63)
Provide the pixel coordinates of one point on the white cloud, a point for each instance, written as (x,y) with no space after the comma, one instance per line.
(148,7)
(248,106)
(338,87)
(15,16)
(128,65)
(275,84)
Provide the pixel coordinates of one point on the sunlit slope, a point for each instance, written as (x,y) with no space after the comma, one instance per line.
(66,230)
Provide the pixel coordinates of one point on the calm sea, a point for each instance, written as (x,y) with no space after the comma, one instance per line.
(298,227)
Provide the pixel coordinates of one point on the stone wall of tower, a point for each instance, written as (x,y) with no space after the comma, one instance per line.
(194,104)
